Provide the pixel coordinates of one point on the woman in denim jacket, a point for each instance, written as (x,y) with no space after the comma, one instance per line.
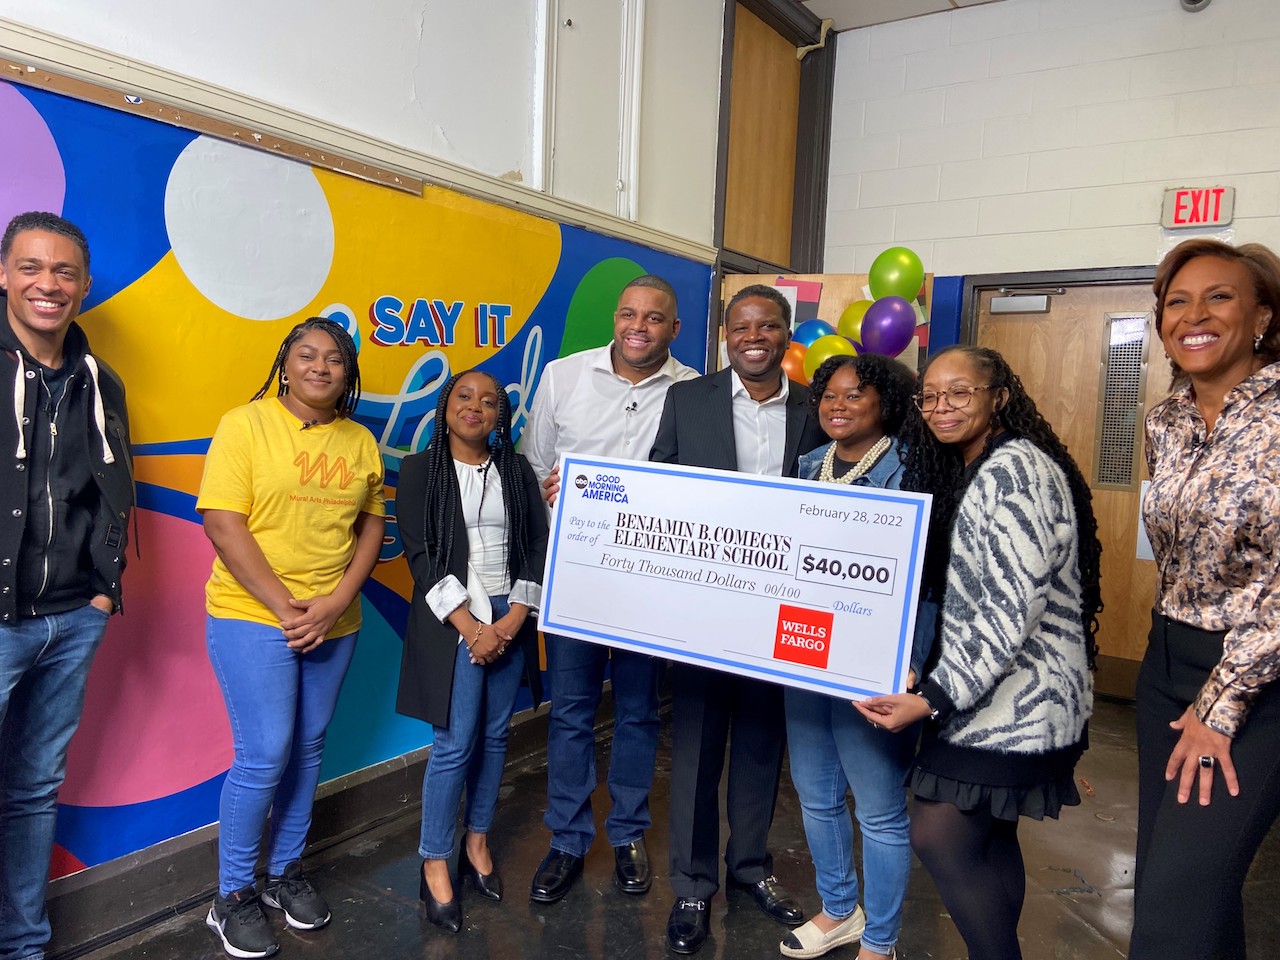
(861,403)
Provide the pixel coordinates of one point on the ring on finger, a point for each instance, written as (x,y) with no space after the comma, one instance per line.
(1207,762)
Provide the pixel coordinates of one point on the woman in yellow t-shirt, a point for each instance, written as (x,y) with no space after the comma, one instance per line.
(292,501)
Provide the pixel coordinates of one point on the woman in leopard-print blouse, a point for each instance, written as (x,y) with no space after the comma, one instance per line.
(1208,706)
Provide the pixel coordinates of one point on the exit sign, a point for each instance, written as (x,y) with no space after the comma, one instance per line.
(1198,207)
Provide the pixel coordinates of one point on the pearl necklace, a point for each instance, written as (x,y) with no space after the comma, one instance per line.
(827,474)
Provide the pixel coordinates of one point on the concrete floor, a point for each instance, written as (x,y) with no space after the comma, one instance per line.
(1079,890)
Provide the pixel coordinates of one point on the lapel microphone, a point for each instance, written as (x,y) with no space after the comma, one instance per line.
(309,423)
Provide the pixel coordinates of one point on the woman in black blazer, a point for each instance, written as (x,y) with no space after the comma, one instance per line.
(475,534)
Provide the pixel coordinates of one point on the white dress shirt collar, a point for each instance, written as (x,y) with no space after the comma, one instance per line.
(740,389)
(604,361)
(760,429)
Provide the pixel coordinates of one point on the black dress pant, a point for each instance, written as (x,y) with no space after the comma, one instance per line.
(712,710)
(1192,860)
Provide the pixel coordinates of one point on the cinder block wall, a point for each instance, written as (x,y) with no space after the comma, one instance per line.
(1041,134)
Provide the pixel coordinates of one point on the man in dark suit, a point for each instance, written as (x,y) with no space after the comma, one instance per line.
(752,419)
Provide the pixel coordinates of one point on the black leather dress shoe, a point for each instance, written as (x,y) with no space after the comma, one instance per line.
(631,867)
(555,874)
(688,926)
(488,885)
(772,897)
(447,916)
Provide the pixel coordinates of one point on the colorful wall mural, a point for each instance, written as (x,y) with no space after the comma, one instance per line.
(204,254)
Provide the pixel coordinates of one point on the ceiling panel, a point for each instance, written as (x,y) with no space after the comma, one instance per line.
(848,14)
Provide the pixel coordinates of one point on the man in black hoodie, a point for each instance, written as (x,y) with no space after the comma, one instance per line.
(64,510)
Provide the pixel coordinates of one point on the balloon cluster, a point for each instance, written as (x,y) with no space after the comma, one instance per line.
(884,325)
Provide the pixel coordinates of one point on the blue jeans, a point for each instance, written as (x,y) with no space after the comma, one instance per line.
(480,708)
(575,673)
(44,663)
(832,749)
(279,704)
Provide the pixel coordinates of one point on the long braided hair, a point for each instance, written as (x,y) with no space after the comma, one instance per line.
(938,468)
(346,404)
(442,495)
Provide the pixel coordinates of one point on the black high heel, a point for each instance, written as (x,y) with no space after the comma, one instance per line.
(447,916)
(488,885)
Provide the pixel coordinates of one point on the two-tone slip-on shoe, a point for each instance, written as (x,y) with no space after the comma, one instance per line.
(807,940)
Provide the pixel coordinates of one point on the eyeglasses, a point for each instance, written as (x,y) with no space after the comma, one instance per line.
(957,398)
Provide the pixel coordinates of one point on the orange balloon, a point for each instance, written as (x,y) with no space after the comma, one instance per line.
(793,362)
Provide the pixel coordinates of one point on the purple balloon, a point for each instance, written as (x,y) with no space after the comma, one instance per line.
(888,327)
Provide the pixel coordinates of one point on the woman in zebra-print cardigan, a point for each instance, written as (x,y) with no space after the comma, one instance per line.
(1014,558)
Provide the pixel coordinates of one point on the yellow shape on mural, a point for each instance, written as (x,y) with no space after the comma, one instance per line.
(441,271)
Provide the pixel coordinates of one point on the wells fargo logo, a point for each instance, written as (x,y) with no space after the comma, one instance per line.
(804,636)
(322,468)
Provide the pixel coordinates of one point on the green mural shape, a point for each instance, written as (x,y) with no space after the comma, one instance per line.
(589,322)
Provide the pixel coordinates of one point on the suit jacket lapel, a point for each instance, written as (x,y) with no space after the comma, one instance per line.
(797,416)
(721,418)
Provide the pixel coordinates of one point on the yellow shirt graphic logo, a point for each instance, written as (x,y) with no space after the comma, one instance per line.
(321,466)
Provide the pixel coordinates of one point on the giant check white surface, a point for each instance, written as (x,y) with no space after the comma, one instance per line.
(803,583)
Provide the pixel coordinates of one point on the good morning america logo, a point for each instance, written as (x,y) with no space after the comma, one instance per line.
(603,486)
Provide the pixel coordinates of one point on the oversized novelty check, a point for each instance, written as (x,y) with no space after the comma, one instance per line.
(798,582)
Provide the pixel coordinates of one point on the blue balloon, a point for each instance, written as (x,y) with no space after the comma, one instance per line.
(810,331)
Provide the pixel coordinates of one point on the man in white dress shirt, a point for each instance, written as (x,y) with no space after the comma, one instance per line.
(603,402)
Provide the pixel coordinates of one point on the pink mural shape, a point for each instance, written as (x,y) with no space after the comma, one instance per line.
(154,721)
(31,172)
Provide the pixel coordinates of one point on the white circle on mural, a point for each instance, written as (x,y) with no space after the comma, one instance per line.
(341,313)
(251,231)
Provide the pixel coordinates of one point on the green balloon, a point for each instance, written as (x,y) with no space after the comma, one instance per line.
(824,348)
(897,272)
(850,324)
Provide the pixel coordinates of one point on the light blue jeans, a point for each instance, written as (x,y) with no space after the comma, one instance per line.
(472,750)
(279,704)
(44,664)
(832,749)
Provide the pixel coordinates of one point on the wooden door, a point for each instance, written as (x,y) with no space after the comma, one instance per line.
(1060,357)
(764,113)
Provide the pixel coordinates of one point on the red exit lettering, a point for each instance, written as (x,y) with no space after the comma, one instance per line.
(1198,206)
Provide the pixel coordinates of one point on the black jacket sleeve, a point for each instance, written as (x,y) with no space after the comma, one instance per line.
(417,534)
(666,445)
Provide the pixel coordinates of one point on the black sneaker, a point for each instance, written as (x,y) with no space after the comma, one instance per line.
(238,921)
(304,908)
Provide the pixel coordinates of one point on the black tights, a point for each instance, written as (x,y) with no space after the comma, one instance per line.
(976,863)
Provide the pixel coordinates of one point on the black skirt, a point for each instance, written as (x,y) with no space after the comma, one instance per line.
(1008,785)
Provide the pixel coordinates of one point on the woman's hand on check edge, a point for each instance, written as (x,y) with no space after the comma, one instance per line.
(1197,741)
(551,486)
(894,711)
